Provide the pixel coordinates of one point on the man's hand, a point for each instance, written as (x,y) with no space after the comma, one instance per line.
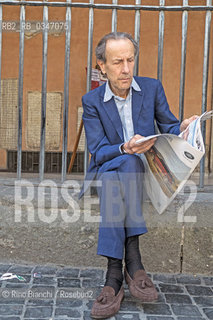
(186,122)
(131,147)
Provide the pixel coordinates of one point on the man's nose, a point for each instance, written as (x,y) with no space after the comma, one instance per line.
(125,67)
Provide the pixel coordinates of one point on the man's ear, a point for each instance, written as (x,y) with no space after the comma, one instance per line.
(102,66)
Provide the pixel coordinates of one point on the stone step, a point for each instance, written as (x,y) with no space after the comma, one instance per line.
(46,229)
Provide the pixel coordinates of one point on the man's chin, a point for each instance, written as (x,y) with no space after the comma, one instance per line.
(125,84)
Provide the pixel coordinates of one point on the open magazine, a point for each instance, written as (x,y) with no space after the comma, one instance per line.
(170,162)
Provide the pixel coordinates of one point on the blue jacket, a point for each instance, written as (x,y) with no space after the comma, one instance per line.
(103,126)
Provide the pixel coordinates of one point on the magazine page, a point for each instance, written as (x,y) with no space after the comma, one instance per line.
(147,138)
(170,162)
(192,134)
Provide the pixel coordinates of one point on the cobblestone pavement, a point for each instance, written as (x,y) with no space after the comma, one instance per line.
(55,292)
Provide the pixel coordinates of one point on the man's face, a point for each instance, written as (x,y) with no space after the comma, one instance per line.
(119,65)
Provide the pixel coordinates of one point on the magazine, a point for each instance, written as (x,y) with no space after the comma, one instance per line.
(170,162)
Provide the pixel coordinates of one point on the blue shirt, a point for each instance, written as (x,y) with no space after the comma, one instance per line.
(124,108)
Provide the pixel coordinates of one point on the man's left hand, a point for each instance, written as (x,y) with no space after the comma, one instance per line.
(184,124)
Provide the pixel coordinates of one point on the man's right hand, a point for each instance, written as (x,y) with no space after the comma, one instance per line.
(131,147)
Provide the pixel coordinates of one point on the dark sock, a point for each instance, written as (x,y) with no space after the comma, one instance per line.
(132,255)
(114,275)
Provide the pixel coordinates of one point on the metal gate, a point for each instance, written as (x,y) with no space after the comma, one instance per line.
(114,7)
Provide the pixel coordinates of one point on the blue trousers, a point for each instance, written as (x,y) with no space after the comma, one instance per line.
(121,196)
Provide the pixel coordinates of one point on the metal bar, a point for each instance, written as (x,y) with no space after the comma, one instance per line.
(43,94)
(114,17)
(183,61)
(161,42)
(211,131)
(20,90)
(107,6)
(0,50)
(66,92)
(137,34)
(89,73)
(205,84)
(72,160)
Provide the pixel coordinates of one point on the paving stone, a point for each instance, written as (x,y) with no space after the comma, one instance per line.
(208,281)
(69,312)
(178,298)
(165,278)
(45,280)
(66,282)
(208,312)
(11,301)
(41,288)
(185,310)
(199,291)
(44,270)
(10,318)
(173,302)
(17,285)
(40,302)
(92,283)
(159,318)
(127,316)
(157,309)
(66,318)
(130,306)
(171,288)
(38,312)
(188,279)
(4,268)
(69,303)
(91,273)
(11,310)
(190,318)
(204,301)
(161,297)
(68,273)
(125,285)
(78,293)
(87,316)
(21,269)
(41,292)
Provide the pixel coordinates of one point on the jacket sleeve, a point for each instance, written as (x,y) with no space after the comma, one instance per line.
(166,121)
(98,144)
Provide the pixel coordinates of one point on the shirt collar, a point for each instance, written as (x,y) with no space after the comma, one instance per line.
(109,94)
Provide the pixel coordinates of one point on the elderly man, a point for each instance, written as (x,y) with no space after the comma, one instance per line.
(115,116)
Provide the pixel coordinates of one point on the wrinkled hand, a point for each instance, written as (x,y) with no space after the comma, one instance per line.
(131,147)
(186,122)
(186,134)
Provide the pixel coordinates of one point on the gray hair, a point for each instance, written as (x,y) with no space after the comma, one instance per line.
(100,50)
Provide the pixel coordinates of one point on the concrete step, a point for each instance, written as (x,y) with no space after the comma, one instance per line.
(53,226)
